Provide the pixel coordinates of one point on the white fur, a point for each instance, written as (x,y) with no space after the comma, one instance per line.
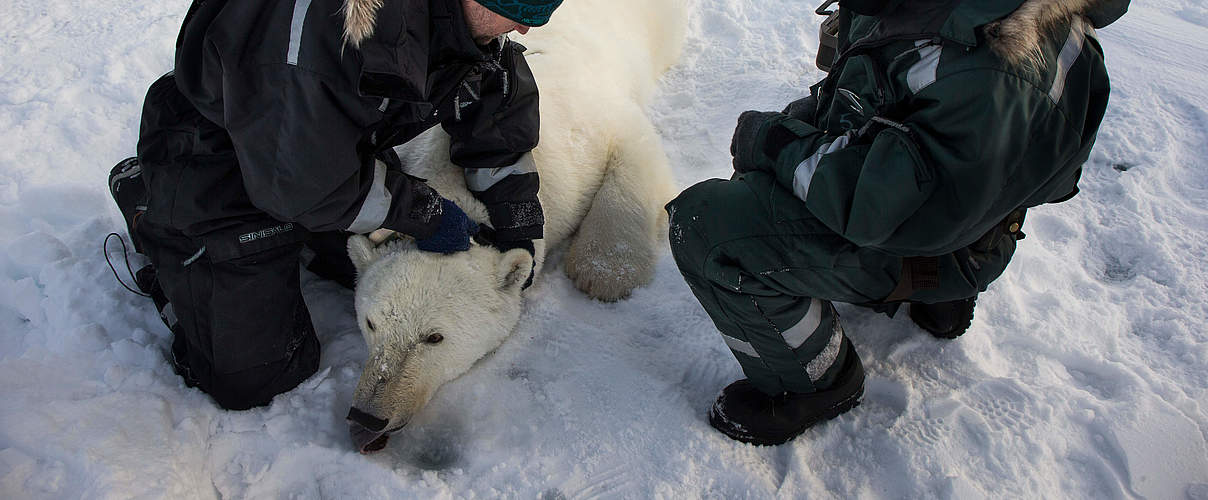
(604,181)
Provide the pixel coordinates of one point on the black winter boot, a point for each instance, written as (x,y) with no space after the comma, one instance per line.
(128,190)
(945,320)
(746,414)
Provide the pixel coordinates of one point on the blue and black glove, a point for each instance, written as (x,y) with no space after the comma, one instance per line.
(454,233)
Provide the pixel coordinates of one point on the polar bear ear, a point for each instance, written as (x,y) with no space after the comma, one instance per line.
(362,252)
(515,266)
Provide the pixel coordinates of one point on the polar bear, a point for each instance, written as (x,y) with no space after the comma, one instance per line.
(427,318)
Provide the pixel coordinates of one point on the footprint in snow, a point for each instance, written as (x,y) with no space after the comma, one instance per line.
(1001,407)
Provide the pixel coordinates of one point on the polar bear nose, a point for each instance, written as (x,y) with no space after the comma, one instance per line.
(364,419)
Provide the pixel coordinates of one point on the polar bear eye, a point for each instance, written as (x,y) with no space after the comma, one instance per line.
(369,324)
(435,338)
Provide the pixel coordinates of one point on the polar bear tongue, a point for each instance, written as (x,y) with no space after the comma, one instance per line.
(367,441)
(369,433)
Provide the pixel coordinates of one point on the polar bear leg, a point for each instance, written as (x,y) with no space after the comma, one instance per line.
(617,243)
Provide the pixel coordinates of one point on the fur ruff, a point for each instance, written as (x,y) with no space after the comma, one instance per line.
(1017,38)
(360,17)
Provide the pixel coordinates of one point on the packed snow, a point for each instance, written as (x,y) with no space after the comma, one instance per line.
(1085,373)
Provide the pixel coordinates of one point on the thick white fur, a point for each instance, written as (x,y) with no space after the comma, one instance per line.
(604,181)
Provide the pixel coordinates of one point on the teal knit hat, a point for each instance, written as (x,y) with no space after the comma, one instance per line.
(526,12)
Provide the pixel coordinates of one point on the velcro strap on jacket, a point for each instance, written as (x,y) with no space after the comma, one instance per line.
(781,134)
(523,220)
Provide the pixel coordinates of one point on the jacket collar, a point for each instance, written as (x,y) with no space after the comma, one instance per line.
(450,36)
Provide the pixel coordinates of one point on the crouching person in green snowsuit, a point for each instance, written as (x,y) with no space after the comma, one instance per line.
(902,179)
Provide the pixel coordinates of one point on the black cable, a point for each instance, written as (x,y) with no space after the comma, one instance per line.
(126,257)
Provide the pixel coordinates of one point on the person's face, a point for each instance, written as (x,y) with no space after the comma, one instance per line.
(486,25)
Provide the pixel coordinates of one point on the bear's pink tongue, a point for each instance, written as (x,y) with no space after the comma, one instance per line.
(367,441)
(368,432)
(376,445)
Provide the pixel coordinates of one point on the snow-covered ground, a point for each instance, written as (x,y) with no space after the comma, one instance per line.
(1085,373)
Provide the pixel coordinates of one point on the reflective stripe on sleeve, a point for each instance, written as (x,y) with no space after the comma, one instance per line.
(481,179)
(295,31)
(805,170)
(376,205)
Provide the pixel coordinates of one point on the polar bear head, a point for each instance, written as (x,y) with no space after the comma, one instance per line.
(426,319)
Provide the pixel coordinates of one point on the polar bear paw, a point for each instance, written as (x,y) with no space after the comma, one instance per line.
(609,270)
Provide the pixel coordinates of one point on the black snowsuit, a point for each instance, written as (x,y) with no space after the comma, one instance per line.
(274,133)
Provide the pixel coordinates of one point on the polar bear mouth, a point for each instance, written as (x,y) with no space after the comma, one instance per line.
(369,433)
(367,441)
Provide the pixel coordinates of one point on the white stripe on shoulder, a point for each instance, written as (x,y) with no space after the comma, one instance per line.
(1067,58)
(923,72)
(295,31)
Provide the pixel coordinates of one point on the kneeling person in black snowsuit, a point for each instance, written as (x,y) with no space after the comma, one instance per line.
(902,179)
(273,140)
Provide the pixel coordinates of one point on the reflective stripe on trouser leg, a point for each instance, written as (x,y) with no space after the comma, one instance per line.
(756,275)
(815,337)
(764,369)
(755,327)
(797,339)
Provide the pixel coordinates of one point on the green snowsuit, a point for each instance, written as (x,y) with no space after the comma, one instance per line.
(903,177)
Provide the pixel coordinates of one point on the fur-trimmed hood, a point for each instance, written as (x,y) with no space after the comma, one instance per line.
(360,17)
(1017,38)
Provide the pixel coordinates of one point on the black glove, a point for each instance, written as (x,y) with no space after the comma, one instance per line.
(802,109)
(454,232)
(758,140)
